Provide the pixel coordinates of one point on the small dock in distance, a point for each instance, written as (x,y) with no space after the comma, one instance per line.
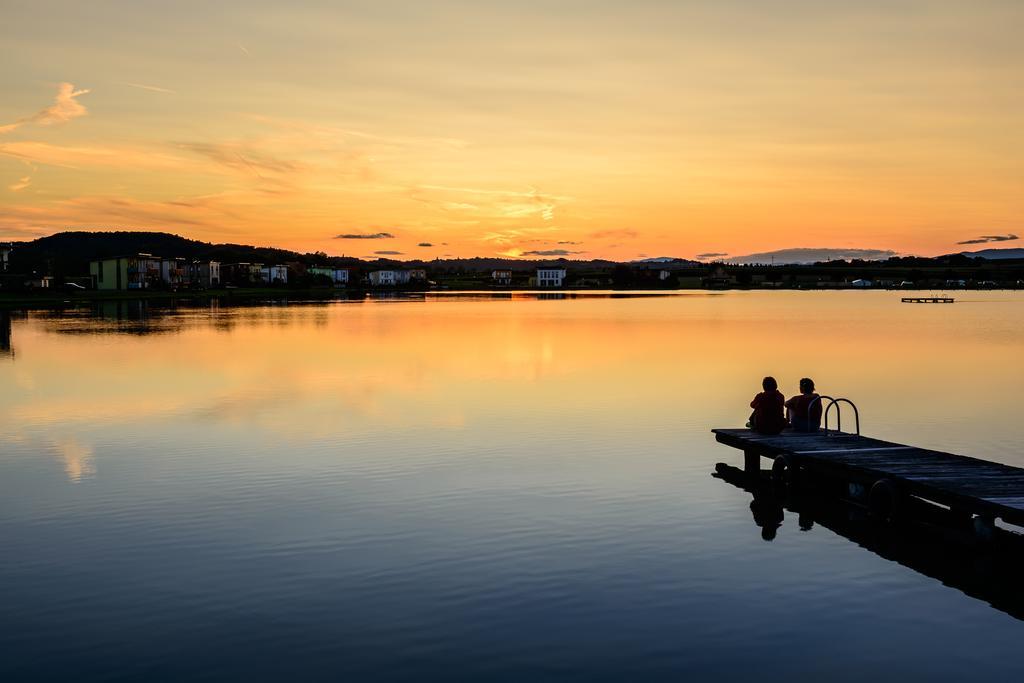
(928,300)
(885,474)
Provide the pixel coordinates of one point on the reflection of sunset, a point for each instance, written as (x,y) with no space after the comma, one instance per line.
(341,370)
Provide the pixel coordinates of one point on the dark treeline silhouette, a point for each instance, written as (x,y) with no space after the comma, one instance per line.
(67,254)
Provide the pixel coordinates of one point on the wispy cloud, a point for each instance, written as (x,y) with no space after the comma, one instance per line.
(364,236)
(241,157)
(21,184)
(388,252)
(814,255)
(424,244)
(513,235)
(65,107)
(551,252)
(617,233)
(243,50)
(711,255)
(496,203)
(985,239)
(151,88)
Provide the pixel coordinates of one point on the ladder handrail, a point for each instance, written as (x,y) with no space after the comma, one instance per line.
(818,399)
(839,412)
(856,413)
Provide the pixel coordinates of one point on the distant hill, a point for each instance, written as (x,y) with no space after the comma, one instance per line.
(995,254)
(69,253)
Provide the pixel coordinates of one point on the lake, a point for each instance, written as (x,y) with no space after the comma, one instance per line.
(460,487)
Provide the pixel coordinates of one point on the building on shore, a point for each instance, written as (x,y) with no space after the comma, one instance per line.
(140,271)
(40,282)
(338,276)
(501,278)
(274,275)
(5,257)
(550,277)
(245,274)
(204,274)
(396,277)
(386,278)
(174,272)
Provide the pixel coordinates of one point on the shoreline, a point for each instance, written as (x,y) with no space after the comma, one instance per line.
(40,299)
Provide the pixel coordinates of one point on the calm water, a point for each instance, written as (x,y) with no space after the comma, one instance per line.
(456,488)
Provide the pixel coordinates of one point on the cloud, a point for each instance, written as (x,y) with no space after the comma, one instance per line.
(388,252)
(495,203)
(364,236)
(150,88)
(424,244)
(623,232)
(65,107)
(21,184)
(243,50)
(551,252)
(240,157)
(711,255)
(514,235)
(984,239)
(568,242)
(813,255)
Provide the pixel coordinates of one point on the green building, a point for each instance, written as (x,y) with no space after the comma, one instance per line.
(140,271)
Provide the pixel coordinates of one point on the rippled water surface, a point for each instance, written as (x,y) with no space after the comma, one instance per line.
(466,488)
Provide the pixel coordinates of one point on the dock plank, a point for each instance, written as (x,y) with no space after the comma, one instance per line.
(979,486)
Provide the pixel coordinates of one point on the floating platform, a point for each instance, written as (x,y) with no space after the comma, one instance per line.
(885,474)
(928,300)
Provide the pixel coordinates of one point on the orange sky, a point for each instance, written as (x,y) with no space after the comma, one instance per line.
(599,129)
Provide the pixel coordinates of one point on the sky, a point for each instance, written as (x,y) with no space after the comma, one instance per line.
(591,129)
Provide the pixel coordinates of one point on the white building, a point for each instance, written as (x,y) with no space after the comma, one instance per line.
(862,283)
(204,273)
(338,276)
(502,278)
(174,272)
(5,257)
(274,275)
(550,277)
(383,278)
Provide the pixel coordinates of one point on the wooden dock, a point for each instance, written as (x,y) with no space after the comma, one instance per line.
(886,473)
(928,300)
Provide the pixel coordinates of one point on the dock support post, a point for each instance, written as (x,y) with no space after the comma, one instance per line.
(751,461)
(985,528)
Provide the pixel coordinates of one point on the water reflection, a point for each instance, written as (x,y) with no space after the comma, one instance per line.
(5,334)
(932,542)
(473,484)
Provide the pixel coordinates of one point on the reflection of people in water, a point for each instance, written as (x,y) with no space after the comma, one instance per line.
(767,417)
(803,411)
(5,333)
(768,515)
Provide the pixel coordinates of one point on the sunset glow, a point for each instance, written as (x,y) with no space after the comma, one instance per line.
(587,129)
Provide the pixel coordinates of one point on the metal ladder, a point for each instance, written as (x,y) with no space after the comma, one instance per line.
(839,412)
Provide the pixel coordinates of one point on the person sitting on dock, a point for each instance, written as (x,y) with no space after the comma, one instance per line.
(767,417)
(804,412)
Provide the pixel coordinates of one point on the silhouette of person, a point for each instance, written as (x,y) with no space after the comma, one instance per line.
(803,411)
(767,417)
